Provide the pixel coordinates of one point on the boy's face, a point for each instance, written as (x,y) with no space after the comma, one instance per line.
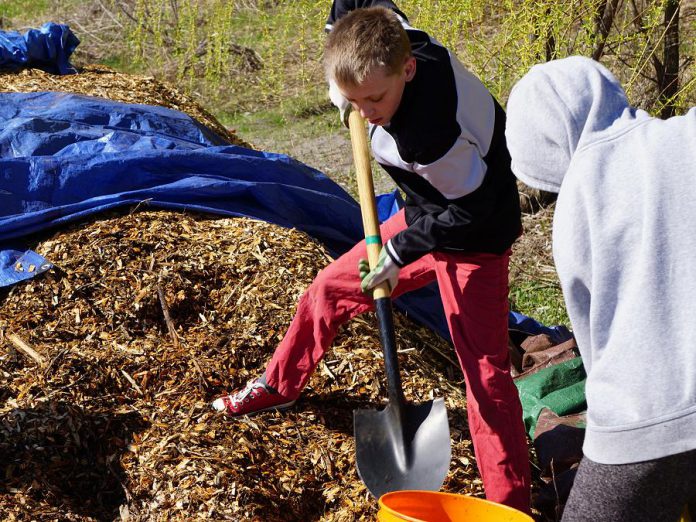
(378,97)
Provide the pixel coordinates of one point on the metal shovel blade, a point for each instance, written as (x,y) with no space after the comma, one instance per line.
(402,450)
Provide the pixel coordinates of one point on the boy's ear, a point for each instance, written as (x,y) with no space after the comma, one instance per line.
(410,68)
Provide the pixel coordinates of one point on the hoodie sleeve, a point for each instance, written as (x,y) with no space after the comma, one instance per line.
(342,7)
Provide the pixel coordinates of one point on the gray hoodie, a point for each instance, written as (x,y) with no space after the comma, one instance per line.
(624,244)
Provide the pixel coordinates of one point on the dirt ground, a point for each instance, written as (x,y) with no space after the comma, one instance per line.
(331,154)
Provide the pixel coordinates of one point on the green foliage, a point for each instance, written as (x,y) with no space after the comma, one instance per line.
(256,52)
(207,43)
(10,9)
(500,41)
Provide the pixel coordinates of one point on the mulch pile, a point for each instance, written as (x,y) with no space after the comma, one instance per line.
(109,362)
(102,81)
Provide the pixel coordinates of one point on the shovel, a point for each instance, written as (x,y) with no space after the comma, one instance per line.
(404,446)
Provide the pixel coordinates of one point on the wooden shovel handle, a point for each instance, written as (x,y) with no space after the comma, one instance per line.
(366,191)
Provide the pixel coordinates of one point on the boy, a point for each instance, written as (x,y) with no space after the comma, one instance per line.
(440,134)
(624,248)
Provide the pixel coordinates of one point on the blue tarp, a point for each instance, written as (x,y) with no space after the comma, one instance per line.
(526,325)
(48,48)
(64,157)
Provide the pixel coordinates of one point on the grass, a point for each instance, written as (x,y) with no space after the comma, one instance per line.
(122,63)
(311,134)
(23,9)
(540,300)
(304,115)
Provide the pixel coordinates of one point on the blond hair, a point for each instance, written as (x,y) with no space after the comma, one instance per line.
(362,41)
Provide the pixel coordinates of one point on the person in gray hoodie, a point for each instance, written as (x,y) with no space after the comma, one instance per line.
(624,245)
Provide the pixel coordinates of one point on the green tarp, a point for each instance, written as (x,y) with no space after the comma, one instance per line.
(560,388)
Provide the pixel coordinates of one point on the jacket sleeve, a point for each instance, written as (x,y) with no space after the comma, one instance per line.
(342,7)
(445,228)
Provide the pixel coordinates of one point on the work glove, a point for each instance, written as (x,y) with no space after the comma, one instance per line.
(344,106)
(385,270)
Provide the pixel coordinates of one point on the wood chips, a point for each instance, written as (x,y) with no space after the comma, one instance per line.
(102,81)
(110,419)
(109,361)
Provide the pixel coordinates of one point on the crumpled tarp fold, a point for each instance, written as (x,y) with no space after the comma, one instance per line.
(47,48)
(19,265)
(518,322)
(560,388)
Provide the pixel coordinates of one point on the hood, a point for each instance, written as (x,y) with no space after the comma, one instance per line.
(553,109)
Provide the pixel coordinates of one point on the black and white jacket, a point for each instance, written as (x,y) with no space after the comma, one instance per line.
(445,148)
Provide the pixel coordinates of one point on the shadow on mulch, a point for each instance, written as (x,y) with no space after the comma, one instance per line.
(335,409)
(67,457)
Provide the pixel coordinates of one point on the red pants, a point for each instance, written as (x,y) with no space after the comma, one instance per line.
(474,292)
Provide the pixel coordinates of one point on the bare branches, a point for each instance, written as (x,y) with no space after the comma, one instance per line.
(604,23)
(669,81)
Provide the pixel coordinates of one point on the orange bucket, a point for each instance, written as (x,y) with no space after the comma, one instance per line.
(433,506)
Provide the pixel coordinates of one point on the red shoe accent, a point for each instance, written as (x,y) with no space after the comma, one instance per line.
(254,398)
